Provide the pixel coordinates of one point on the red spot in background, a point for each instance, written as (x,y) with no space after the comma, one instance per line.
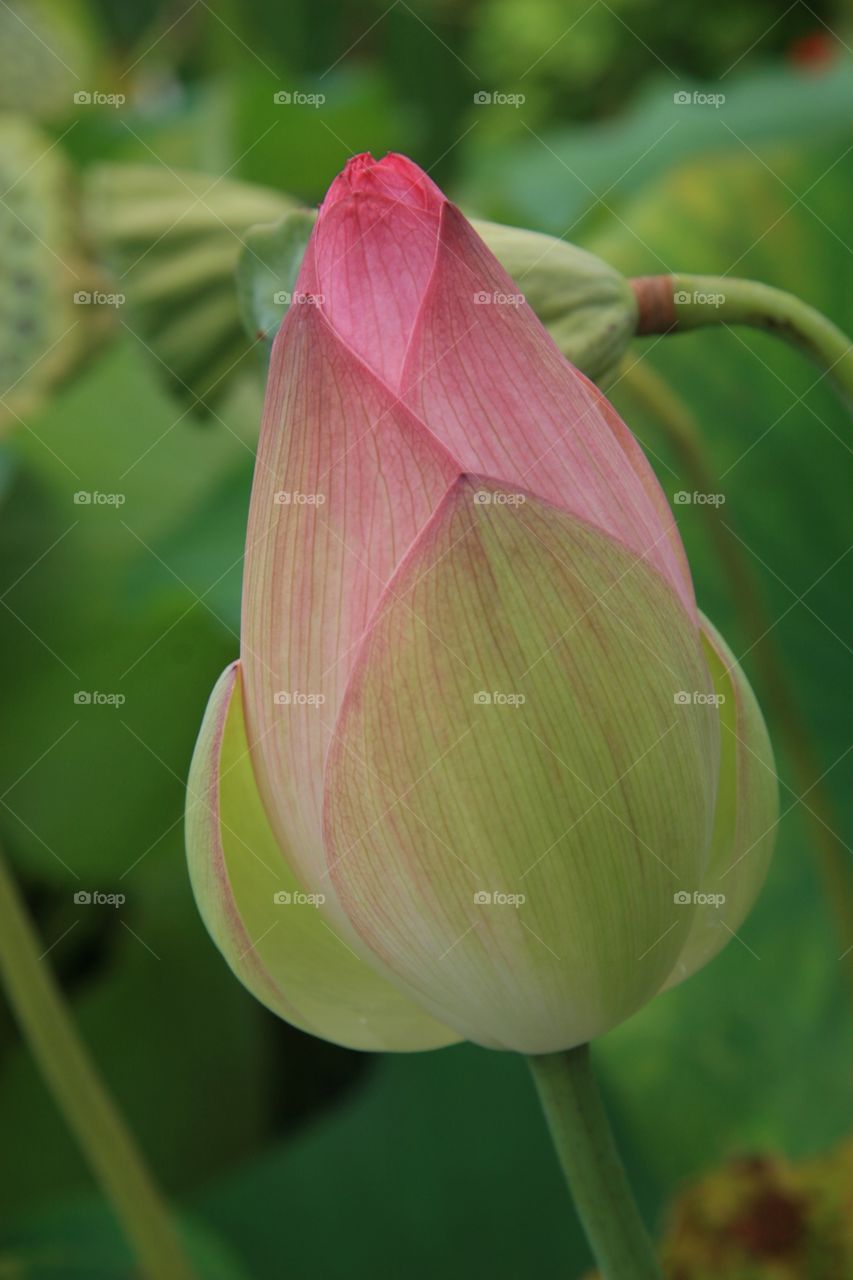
(814,52)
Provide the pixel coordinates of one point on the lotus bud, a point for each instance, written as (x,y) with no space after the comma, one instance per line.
(482,770)
(589,309)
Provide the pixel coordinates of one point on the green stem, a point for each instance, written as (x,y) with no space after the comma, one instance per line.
(584,1142)
(681,302)
(73,1080)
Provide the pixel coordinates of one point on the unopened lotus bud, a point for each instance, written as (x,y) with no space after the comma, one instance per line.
(588,308)
(482,770)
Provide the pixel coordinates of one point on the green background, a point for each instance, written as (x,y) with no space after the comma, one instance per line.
(288,1156)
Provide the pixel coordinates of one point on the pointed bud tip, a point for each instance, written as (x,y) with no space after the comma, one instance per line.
(394,176)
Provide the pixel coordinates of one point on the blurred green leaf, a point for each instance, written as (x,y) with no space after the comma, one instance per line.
(556,179)
(75,635)
(298,146)
(441,1165)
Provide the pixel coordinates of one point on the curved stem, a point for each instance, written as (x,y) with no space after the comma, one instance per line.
(73,1080)
(584,1143)
(776,685)
(681,302)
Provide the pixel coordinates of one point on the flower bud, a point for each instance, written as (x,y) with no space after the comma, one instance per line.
(589,309)
(482,769)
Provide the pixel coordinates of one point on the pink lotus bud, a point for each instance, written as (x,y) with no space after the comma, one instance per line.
(481,770)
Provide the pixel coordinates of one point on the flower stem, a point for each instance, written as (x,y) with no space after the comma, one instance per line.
(73,1080)
(587,1152)
(682,302)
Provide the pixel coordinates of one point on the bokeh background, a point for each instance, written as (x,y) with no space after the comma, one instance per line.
(138,143)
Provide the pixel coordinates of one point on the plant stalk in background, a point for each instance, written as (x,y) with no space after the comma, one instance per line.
(91,1114)
(676,303)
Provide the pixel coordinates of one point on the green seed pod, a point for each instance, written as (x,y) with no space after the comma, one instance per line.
(171,240)
(588,308)
(48,53)
(41,329)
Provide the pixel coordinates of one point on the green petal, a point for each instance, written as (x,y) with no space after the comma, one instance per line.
(284,952)
(746,814)
(593,797)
